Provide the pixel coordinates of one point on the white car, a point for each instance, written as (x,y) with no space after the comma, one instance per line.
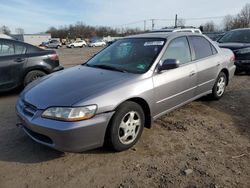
(97,43)
(188,30)
(79,43)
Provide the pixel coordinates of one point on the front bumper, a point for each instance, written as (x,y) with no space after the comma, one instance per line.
(242,65)
(64,136)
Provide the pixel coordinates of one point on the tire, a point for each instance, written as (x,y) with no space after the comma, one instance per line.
(219,86)
(32,76)
(58,47)
(72,46)
(126,126)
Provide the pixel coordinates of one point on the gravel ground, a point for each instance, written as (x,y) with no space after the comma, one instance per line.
(203,144)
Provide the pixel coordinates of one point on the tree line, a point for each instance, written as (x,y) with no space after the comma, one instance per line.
(80,30)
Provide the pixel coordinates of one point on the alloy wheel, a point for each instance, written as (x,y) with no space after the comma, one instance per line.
(129,127)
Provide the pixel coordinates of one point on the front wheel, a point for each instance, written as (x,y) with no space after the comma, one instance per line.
(219,86)
(126,126)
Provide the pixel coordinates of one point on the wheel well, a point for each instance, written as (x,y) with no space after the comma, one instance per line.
(145,108)
(35,69)
(226,73)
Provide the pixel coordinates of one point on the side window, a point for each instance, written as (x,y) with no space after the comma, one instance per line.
(202,47)
(6,49)
(178,49)
(20,49)
(214,51)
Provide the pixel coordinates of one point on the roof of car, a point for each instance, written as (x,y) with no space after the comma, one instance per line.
(239,29)
(162,35)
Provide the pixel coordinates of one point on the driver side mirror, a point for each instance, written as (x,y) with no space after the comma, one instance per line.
(169,64)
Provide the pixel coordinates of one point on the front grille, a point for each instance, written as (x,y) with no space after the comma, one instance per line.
(27,108)
(38,136)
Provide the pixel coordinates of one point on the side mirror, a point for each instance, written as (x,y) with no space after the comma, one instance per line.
(169,64)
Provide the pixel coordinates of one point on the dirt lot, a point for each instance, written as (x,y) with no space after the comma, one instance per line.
(203,144)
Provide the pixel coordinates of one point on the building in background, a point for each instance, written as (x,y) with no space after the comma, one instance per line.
(34,39)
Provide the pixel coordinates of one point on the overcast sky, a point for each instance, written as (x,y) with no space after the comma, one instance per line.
(37,16)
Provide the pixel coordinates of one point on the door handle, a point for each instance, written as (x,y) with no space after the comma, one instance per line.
(192,73)
(19,59)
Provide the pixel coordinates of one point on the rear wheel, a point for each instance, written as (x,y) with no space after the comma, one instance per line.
(126,126)
(32,76)
(219,86)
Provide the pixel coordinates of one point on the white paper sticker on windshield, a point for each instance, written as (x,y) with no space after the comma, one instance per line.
(154,43)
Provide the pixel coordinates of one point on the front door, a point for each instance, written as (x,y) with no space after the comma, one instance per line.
(176,86)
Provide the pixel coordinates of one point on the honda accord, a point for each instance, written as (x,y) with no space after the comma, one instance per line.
(123,89)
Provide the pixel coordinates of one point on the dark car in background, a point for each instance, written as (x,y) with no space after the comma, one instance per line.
(238,41)
(214,35)
(22,63)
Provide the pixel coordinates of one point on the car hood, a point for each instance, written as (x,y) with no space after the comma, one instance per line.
(234,46)
(65,88)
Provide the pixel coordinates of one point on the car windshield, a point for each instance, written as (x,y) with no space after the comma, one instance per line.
(241,36)
(134,55)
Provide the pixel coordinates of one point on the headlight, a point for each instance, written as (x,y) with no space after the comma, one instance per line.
(243,51)
(70,113)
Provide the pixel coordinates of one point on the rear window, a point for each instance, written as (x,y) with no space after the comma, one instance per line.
(202,47)
(241,36)
(20,49)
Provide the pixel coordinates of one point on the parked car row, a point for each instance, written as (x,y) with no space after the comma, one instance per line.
(75,44)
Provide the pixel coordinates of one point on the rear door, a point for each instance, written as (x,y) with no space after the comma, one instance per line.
(207,61)
(12,59)
(176,86)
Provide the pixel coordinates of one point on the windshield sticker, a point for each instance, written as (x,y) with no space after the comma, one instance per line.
(141,66)
(154,43)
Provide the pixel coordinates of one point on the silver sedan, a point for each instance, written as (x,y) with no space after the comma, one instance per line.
(123,89)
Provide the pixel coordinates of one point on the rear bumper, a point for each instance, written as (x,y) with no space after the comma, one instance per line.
(58,68)
(242,65)
(231,71)
(65,136)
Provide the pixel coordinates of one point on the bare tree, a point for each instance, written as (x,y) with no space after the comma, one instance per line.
(19,31)
(5,30)
(228,22)
(209,27)
(241,20)
(244,16)
(181,22)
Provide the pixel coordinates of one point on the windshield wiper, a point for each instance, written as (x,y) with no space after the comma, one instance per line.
(108,67)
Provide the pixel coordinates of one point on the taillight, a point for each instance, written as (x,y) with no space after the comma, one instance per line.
(232,59)
(53,57)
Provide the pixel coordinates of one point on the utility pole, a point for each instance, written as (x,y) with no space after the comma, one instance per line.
(144,25)
(175,22)
(153,24)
